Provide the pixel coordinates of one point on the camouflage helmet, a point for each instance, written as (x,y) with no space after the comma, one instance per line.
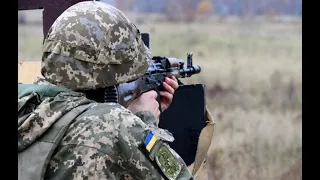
(93,45)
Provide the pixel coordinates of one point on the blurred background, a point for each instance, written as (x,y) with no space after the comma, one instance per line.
(250,52)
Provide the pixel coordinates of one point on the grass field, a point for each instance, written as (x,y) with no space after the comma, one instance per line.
(253,76)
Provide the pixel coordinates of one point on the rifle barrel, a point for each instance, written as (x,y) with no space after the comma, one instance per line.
(195,69)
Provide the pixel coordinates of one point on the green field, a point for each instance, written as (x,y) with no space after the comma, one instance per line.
(253,76)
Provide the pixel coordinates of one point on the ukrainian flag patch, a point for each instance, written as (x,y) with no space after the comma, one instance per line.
(150,140)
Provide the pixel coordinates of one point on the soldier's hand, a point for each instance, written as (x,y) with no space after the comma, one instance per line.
(146,102)
(166,96)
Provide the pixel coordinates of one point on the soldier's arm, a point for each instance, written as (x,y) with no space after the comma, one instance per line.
(107,142)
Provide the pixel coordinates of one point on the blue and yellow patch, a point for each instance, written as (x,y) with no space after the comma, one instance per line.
(150,140)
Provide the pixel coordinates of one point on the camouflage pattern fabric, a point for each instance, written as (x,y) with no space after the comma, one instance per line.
(34,120)
(93,45)
(104,142)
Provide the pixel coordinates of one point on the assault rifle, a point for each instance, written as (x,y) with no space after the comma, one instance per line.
(160,68)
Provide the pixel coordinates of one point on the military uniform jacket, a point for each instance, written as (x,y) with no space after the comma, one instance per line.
(63,135)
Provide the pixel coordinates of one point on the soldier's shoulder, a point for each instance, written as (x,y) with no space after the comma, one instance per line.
(102,125)
(105,111)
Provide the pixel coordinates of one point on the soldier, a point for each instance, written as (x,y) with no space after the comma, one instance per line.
(64,135)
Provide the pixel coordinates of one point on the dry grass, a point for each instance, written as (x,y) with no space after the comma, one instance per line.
(252,71)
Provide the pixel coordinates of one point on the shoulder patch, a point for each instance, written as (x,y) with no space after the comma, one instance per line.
(168,163)
(150,140)
(163,156)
